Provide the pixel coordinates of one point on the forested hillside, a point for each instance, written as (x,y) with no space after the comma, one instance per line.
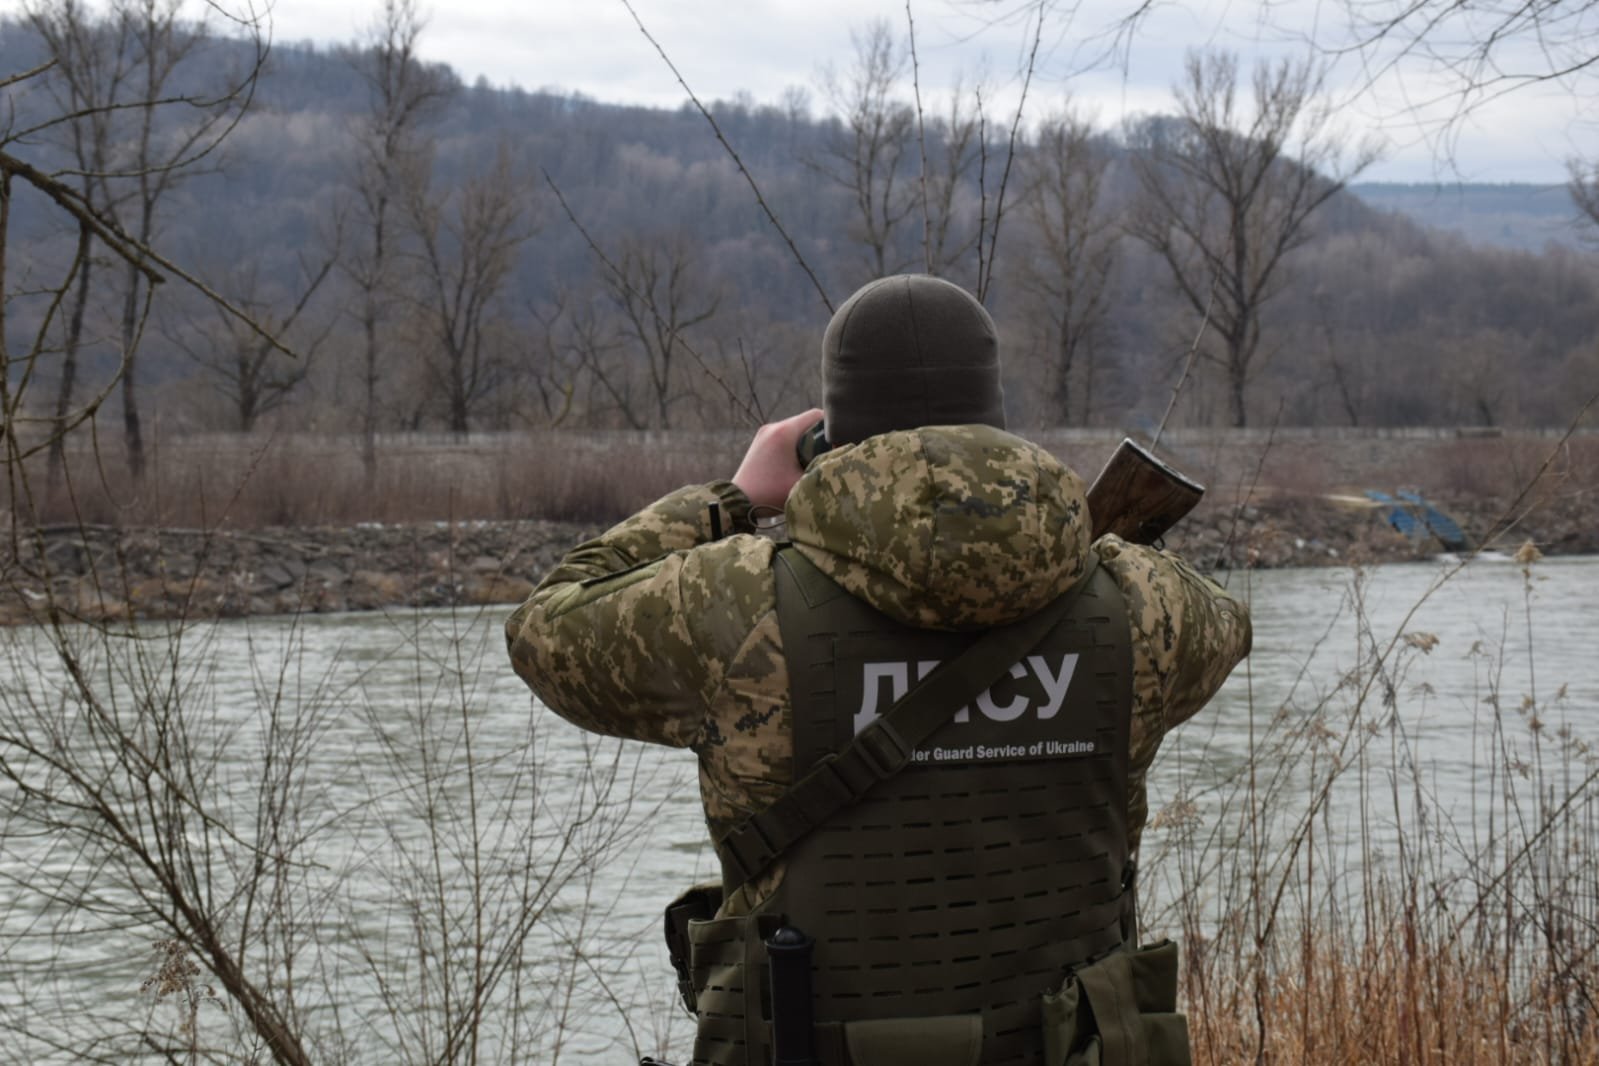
(1524,217)
(405,235)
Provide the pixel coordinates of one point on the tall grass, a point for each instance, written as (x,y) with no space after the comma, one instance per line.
(258,482)
(1337,904)
(301,480)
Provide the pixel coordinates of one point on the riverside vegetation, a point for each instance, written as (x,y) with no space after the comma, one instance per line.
(476,521)
(296,913)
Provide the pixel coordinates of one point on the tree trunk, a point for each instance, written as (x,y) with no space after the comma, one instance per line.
(1063,371)
(132,431)
(369,415)
(69,368)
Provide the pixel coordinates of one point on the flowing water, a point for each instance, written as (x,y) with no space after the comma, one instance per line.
(585,839)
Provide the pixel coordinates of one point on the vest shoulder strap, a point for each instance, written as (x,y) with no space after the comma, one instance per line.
(884,747)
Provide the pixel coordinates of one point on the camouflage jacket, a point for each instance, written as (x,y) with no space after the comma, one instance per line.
(655,631)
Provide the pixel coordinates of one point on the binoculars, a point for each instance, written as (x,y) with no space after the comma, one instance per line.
(811,443)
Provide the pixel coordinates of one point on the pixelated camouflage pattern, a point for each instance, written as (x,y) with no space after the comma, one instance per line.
(654,631)
(956,527)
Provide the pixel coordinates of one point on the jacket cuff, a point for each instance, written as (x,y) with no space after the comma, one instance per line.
(734,507)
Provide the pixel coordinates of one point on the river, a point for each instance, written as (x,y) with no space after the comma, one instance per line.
(584,839)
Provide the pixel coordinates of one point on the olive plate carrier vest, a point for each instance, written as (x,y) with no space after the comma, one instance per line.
(955,903)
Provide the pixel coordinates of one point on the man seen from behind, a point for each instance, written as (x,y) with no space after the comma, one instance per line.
(969,891)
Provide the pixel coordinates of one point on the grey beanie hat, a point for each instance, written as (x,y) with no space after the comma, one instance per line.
(906,351)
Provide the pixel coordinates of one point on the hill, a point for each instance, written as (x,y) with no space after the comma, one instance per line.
(1522,217)
(538,229)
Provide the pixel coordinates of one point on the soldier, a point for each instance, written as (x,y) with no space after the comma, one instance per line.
(963,869)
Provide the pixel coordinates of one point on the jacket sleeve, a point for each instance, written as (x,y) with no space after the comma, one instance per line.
(605,640)
(1188,633)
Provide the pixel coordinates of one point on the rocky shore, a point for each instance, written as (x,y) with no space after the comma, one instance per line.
(105,573)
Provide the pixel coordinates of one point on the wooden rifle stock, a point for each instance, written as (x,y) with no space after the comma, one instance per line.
(1138,497)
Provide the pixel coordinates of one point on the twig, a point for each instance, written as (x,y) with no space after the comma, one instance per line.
(749,380)
(983,281)
(921,135)
(982,184)
(1188,367)
(742,169)
(645,299)
(136,254)
(1254,483)
(6,83)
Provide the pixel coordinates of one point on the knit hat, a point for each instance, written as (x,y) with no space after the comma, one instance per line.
(907,351)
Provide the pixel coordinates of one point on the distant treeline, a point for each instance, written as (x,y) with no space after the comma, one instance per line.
(423,268)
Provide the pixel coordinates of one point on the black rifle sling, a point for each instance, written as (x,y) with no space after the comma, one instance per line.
(884,747)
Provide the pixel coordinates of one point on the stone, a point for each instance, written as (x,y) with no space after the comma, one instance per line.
(275,575)
(496,589)
(327,572)
(371,589)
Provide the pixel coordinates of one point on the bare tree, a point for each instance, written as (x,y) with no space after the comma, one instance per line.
(467,242)
(403,93)
(660,292)
(167,126)
(554,359)
(1584,188)
(134,121)
(252,374)
(1067,280)
(956,147)
(595,342)
(1342,365)
(868,156)
(1478,51)
(1227,193)
(267,837)
(87,82)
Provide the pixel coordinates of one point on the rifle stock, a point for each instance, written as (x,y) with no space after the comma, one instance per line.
(1138,497)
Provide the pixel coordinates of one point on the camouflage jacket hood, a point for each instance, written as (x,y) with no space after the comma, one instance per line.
(944,527)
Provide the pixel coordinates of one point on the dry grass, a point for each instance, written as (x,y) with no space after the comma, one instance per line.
(252,483)
(1394,999)
(1338,905)
(255,482)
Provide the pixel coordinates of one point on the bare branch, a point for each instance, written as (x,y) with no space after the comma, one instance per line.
(984,280)
(921,135)
(621,279)
(749,178)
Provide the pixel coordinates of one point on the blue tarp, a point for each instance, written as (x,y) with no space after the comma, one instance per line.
(1439,524)
(1395,513)
(1415,517)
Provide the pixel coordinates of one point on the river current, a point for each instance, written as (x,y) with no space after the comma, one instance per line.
(1418,674)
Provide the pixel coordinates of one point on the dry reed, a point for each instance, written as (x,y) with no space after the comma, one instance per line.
(296,480)
(1396,930)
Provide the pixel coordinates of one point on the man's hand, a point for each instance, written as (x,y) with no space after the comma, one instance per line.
(770,467)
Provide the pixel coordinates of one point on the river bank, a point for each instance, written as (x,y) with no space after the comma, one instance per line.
(108,573)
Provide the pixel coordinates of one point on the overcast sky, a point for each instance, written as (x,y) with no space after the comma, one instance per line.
(766,46)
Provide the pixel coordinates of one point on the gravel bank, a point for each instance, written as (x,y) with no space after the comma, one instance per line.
(107,573)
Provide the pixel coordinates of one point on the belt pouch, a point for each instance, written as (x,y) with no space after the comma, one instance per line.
(727,969)
(1118,1011)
